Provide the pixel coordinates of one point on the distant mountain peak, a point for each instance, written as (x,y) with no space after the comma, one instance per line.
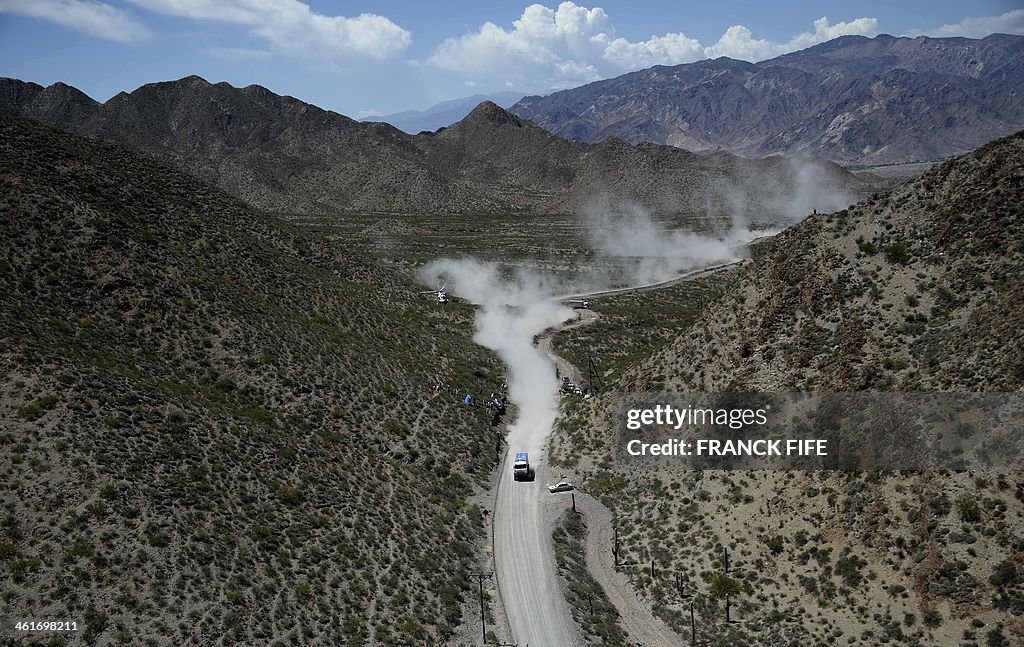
(191,82)
(60,85)
(728,63)
(491,113)
(58,104)
(444,114)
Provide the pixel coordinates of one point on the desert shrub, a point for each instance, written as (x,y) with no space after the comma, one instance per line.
(932,618)
(723,586)
(867,246)
(968,509)
(897,253)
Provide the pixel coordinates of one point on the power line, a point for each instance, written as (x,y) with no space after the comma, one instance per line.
(480,577)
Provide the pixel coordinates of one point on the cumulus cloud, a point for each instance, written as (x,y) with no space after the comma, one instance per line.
(563,47)
(670,49)
(291,27)
(572,44)
(739,42)
(556,45)
(94,18)
(1011,22)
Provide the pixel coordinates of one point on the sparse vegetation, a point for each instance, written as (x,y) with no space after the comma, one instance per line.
(194,401)
(900,293)
(593,611)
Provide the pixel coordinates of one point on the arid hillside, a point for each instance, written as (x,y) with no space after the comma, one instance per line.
(215,425)
(915,290)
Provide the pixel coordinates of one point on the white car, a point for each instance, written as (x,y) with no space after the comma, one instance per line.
(561,486)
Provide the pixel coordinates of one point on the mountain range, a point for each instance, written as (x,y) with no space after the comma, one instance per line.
(853,100)
(445,113)
(281,154)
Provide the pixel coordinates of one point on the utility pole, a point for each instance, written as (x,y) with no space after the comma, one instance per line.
(573,501)
(615,547)
(726,552)
(693,625)
(592,375)
(480,577)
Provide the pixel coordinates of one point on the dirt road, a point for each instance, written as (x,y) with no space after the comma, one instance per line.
(524,561)
(528,583)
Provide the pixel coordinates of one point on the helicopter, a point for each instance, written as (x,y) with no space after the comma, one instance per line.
(442,296)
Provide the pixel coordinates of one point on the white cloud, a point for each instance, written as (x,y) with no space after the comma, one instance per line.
(549,48)
(1011,22)
(739,42)
(670,49)
(291,27)
(824,31)
(94,18)
(543,43)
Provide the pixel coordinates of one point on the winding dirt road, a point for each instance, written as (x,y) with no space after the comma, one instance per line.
(529,587)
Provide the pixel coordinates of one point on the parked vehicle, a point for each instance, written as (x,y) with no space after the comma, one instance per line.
(561,486)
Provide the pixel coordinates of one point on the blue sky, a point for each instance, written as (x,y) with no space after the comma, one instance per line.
(362,58)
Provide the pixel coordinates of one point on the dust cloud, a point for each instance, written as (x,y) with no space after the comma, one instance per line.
(517,304)
(630,248)
(513,308)
(812,187)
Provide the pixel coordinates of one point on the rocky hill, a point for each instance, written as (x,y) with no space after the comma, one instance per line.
(915,290)
(853,100)
(284,155)
(217,427)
